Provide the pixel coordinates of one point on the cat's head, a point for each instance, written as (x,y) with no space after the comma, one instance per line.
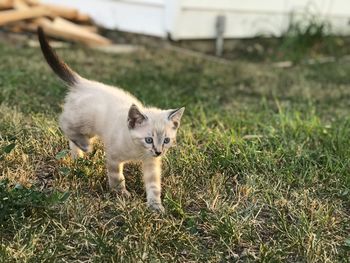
(153,130)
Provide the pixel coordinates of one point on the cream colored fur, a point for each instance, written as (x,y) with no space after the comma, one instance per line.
(122,123)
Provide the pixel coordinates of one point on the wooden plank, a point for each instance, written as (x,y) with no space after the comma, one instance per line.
(20,5)
(59,27)
(62,28)
(62,11)
(78,30)
(6,4)
(56,10)
(92,29)
(18,15)
(17,27)
(32,2)
(83,18)
(27,26)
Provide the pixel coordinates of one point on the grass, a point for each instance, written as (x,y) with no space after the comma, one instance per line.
(260,174)
(308,36)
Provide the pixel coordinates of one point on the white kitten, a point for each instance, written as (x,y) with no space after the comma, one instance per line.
(129,131)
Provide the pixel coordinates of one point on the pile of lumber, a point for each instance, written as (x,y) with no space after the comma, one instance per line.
(57,21)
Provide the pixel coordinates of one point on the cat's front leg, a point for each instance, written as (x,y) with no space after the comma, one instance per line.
(116,179)
(152,179)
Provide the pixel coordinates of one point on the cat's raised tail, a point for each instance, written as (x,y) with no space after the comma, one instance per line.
(57,65)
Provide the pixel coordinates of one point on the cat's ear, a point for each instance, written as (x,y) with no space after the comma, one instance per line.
(175,116)
(135,117)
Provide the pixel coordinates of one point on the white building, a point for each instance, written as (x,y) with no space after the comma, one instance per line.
(196,19)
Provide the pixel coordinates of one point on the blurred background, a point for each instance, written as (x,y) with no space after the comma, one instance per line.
(279,30)
(193,19)
(261,168)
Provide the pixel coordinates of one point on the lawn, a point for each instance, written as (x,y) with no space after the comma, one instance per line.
(260,172)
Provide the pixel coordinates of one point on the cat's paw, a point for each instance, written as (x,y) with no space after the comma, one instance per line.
(122,193)
(156,207)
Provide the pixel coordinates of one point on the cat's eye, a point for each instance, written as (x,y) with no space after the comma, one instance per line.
(167,140)
(149,140)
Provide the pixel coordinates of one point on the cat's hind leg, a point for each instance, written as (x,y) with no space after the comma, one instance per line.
(78,134)
(81,141)
(75,150)
(79,144)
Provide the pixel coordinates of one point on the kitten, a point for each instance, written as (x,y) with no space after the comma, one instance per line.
(128,130)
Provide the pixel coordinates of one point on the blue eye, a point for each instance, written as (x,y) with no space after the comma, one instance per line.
(149,140)
(167,140)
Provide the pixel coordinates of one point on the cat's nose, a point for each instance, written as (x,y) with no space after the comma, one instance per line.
(158,153)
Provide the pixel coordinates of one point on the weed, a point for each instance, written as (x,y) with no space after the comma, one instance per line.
(261,171)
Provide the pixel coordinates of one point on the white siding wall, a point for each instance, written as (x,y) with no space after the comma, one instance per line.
(195,19)
(138,16)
